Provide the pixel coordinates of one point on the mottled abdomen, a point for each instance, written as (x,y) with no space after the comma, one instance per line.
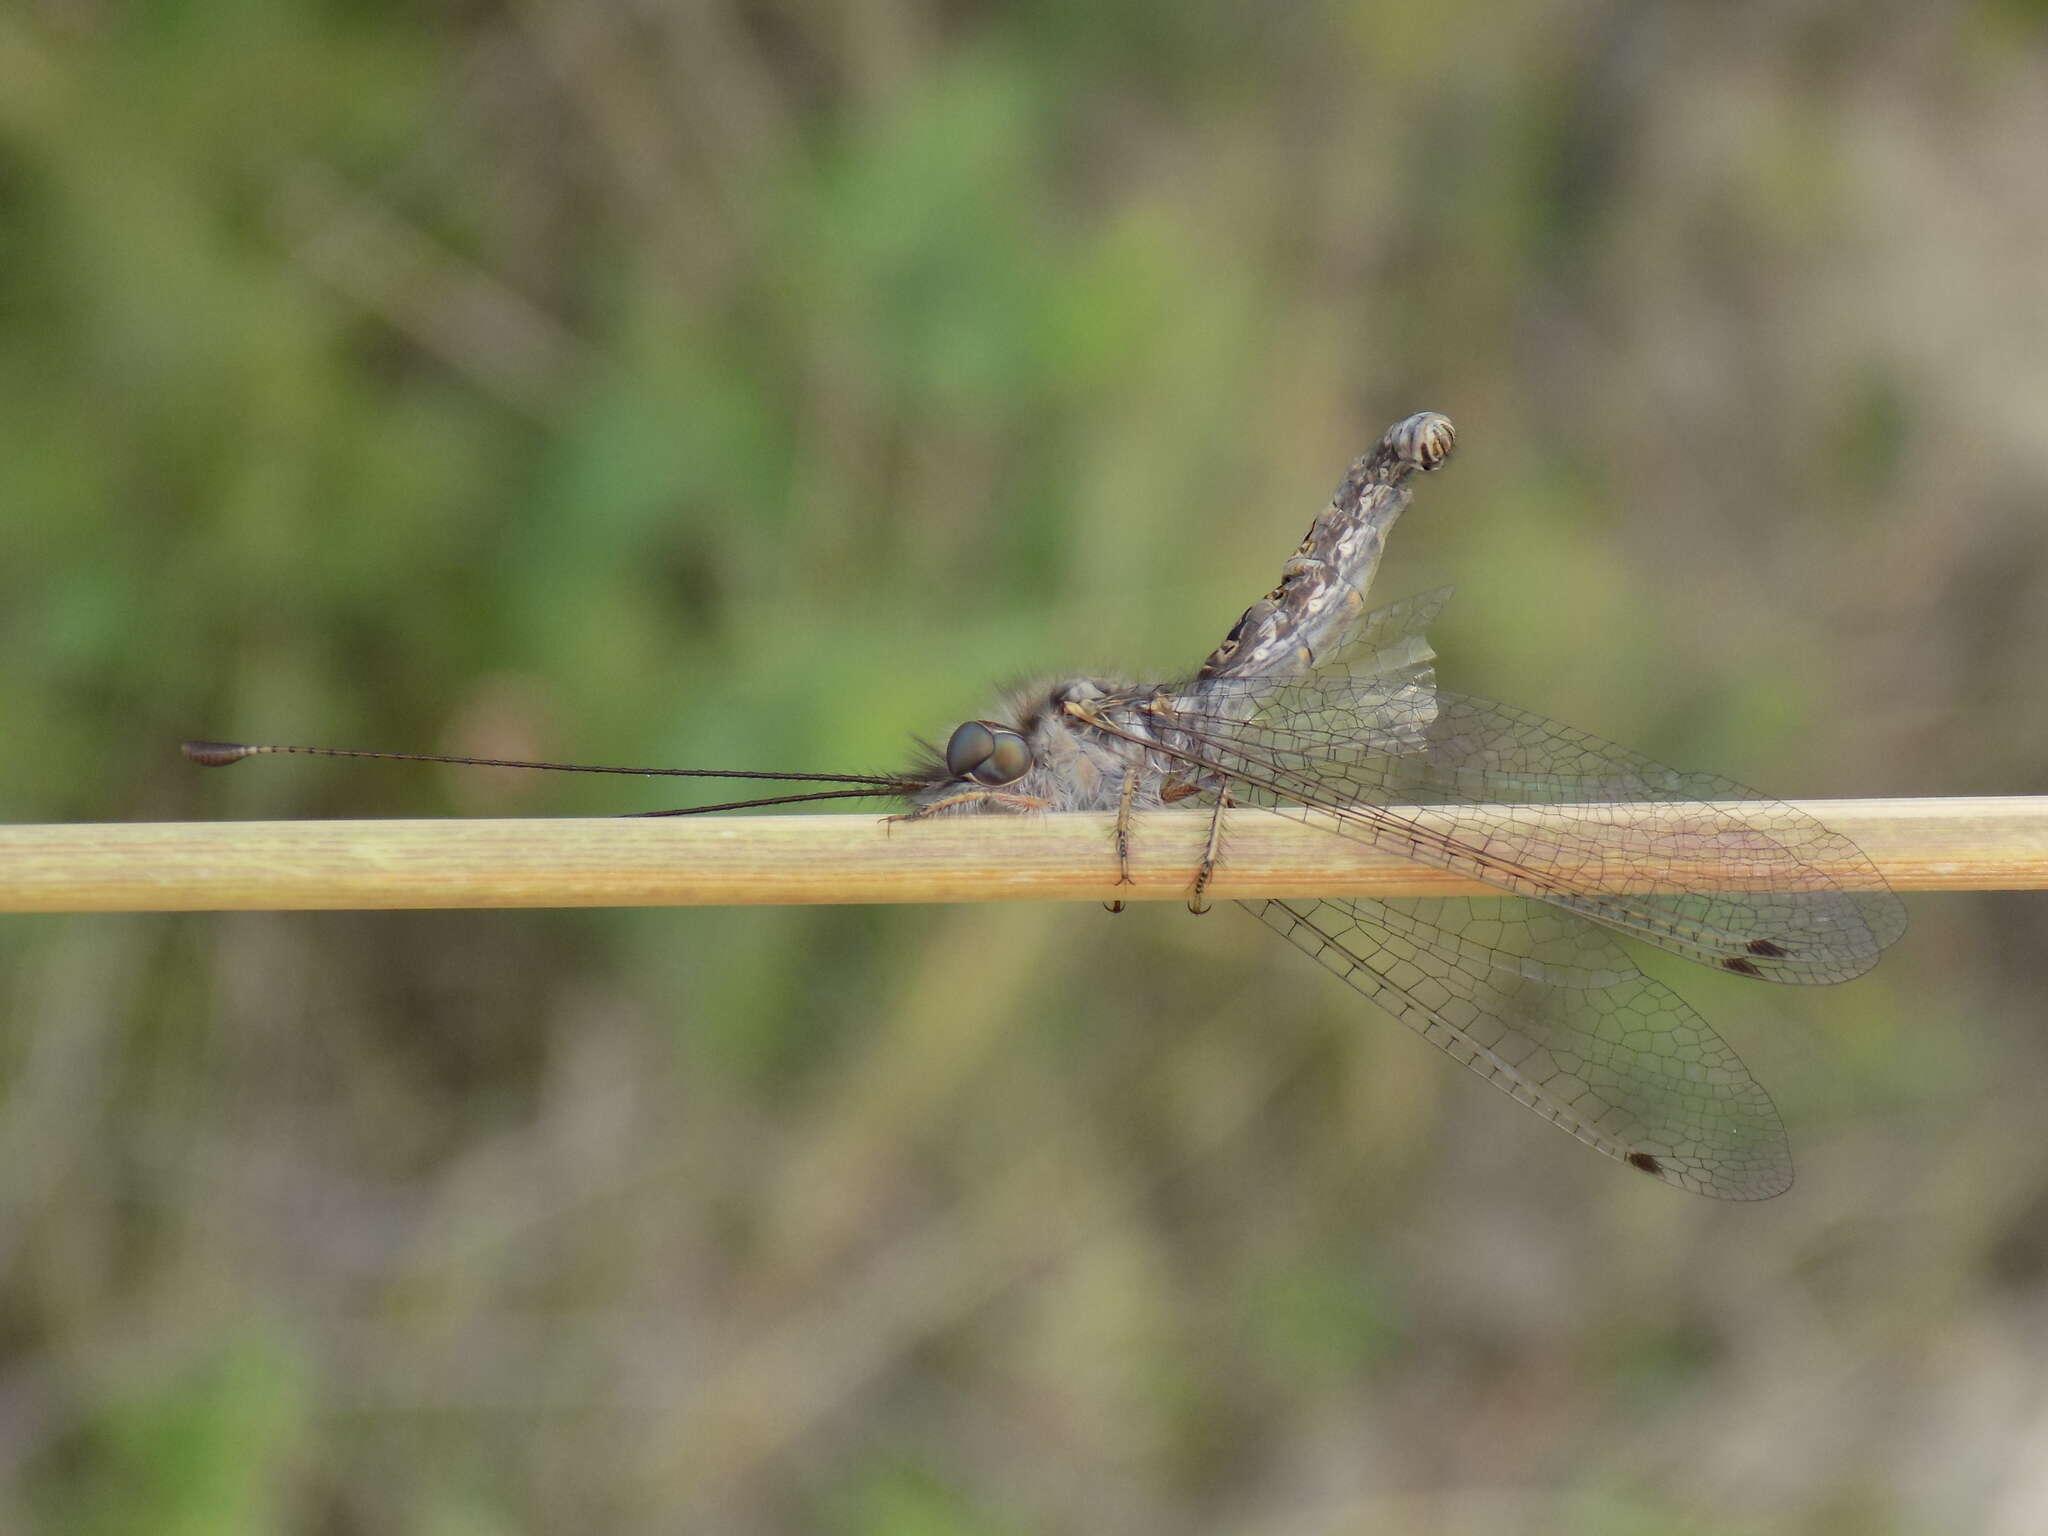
(1322,589)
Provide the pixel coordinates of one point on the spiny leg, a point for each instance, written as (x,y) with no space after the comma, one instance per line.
(1207,870)
(1124,801)
(1009,802)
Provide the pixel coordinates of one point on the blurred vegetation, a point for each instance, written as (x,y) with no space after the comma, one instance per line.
(755,384)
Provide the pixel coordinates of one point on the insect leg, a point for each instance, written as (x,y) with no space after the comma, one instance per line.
(1206,871)
(1124,802)
(972,797)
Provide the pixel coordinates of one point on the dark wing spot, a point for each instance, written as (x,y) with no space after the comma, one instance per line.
(1740,966)
(1645,1162)
(1767,947)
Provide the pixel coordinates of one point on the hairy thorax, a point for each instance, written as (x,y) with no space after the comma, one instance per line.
(1075,733)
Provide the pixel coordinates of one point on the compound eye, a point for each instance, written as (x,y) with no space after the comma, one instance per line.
(968,748)
(1008,762)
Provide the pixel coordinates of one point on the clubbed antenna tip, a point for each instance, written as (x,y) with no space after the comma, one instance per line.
(214,754)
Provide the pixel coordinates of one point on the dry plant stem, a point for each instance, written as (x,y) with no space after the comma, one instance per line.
(1919,845)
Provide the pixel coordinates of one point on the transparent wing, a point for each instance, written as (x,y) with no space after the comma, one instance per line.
(1357,750)
(1550,1010)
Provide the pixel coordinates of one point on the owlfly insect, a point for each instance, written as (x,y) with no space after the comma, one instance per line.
(1320,710)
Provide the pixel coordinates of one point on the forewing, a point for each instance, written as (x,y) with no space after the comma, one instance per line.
(1388,665)
(1550,1010)
(1350,749)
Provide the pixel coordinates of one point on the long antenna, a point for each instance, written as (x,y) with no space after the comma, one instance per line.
(222,754)
(751,805)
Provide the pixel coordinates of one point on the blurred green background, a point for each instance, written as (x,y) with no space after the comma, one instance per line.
(759,383)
